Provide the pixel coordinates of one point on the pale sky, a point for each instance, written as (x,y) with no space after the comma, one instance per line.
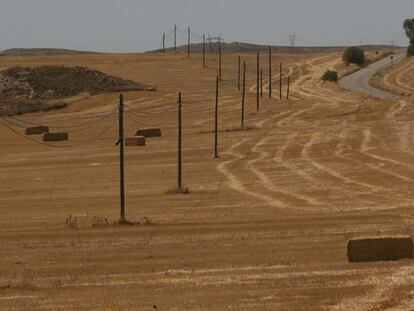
(137,25)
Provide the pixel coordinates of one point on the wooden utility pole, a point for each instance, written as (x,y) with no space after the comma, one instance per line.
(175,38)
(180,171)
(280,81)
(220,51)
(238,75)
(288,87)
(261,82)
(188,41)
(244,94)
(270,72)
(204,51)
(121,156)
(258,82)
(163,43)
(216,120)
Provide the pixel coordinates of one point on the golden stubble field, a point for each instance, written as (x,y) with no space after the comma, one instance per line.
(264,227)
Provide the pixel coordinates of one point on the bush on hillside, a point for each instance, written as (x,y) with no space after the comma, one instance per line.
(354,55)
(410,51)
(408,26)
(330,75)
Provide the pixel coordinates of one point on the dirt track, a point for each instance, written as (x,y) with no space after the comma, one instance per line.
(263,228)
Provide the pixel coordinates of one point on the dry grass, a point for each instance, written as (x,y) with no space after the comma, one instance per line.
(232,129)
(97,222)
(266,224)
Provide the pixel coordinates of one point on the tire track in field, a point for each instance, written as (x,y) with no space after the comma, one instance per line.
(266,181)
(364,150)
(286,163)
(401,75)
(396,73)
(236,184)
(276,80)
(316,137)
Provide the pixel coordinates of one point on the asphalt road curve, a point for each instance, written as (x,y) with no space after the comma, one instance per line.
(359,80)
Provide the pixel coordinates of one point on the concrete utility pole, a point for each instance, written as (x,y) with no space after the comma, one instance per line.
(163,43)
(121,156)
(238,75)
(216,120)
(188,40)
(258,82)
(175,38)
(220,60)
(243,94)
(280,81)
(180,171)
(270,72)
(204,51)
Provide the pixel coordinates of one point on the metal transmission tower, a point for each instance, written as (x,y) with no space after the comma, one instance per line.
(292,38)
(214,42)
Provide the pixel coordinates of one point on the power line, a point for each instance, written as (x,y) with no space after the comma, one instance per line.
(79,127)
(132,117)
(80,117)
(151,114)
(198,37)
(194,108)
(9,126)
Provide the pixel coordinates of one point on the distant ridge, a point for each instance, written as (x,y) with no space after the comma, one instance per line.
(238,47)
(41,51)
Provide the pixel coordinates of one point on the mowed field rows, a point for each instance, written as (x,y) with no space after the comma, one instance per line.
(264,227)
(398,79)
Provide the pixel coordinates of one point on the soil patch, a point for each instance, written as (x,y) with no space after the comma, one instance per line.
(29,89)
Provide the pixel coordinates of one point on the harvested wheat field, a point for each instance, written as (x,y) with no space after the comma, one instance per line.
(398,79)
(263,227)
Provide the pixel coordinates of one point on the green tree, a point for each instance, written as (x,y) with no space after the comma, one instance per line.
(330,75)
(408,26)
(354,55)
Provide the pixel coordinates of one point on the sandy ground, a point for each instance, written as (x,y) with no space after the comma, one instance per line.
(264,227)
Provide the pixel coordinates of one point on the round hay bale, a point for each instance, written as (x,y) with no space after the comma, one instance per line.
(136,141)
(55,136)
(380,249)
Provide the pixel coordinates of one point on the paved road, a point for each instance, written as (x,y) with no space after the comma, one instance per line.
(359,81)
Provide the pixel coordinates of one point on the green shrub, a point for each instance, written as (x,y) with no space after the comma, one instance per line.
(410,51)
(330,75)
(354,55)
(408,26)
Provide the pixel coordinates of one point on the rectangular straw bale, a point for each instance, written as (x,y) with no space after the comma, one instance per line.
(380,249)
(55,136)
(135,141)
(37,130)
(149,132)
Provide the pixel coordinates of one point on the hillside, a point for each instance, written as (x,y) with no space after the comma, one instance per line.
(41,51)
(29,89)
(239,47)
